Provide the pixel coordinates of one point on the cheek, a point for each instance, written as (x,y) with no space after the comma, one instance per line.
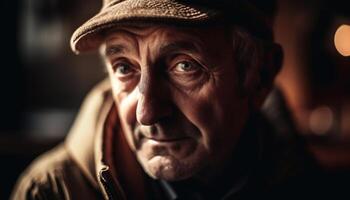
(126,106)
(219,114)
(125,100)
(198,109)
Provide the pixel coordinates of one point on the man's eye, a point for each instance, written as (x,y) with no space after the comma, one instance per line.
(123,69)
(187,73)
(185,66)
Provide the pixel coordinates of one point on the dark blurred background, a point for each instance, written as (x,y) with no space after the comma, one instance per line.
(43,83)
(315,78)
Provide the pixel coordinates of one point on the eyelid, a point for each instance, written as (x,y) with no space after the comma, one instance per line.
(177,58)
(193,64)
(132,73)
(125,60)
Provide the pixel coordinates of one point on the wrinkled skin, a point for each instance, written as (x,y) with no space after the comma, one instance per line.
(177,97)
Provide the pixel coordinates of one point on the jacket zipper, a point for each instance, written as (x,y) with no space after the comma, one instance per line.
(107,189)
(107,183)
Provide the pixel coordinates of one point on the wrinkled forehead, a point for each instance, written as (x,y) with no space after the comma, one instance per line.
(164,33)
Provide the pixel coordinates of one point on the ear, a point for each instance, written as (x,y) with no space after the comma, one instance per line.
(260,78)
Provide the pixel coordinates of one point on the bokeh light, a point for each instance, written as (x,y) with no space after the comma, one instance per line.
(342,40)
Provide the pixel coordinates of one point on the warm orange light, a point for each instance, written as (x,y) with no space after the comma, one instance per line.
(342,40)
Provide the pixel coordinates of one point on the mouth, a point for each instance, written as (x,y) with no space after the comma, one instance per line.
(167,140)
(179,147)
(160,136)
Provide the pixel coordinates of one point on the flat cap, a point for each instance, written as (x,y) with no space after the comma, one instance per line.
(187,12)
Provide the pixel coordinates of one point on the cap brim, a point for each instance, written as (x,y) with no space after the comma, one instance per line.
(87,37)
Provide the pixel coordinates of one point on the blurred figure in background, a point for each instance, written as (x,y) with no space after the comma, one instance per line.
(315,36)
(315,78)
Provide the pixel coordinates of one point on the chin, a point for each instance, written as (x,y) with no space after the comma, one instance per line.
(169,168)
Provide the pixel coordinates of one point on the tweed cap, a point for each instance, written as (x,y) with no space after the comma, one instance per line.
(185,12)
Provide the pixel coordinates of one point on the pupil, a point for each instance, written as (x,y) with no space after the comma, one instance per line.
(185,66)
(123,69)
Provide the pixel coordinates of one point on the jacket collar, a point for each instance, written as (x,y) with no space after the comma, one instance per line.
(85,139)
(95,142)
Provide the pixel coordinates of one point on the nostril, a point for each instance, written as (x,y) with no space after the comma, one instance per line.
(147,113)
(151,107)
(144,117)
(153,130)
(151,114)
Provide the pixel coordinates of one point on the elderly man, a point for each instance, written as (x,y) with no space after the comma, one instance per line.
(179,116)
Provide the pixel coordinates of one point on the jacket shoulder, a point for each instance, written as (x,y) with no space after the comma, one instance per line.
(54,175)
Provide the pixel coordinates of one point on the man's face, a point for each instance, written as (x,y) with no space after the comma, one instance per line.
(177,97)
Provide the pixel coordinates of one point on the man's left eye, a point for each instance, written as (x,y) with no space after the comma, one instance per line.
(185,66)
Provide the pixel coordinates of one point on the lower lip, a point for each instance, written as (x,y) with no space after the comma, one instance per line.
(179,148)
(167,142)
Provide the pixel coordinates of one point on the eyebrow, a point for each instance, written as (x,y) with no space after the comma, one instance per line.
(115,49)
(181,45)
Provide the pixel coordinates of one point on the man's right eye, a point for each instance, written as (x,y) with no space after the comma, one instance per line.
(123,70)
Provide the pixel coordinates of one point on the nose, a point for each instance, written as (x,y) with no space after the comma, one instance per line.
(153,101)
